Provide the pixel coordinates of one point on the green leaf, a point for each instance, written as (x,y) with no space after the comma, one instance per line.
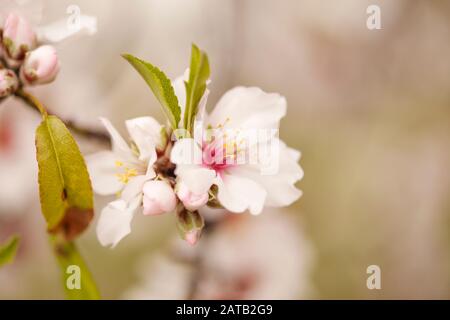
(196,86)
(8,251)
(74,271)
(64,185)
(161,86)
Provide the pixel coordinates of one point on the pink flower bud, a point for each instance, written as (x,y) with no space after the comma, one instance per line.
(18,37)
(8,82)
(40,66)
(193,236)
(190,225)
(191,201)
(159,198)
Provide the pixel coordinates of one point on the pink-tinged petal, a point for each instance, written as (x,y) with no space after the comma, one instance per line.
(40,66)
(191,200)
(238,194)
(115,221)
(192,237)
(159,198)
(197,179)
(18,37)
(103,170)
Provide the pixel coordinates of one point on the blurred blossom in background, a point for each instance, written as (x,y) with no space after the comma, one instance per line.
(244,258)
(369,109)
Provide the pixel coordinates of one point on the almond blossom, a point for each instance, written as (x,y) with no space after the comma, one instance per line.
(127,172)
(265,258)
(207,160)
(231,158)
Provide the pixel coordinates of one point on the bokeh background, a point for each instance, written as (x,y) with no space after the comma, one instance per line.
(369,109)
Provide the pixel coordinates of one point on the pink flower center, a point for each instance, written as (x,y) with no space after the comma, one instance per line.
(222,150)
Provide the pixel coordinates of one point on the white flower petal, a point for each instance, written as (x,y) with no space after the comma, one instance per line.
(186,152)
(197,179)
(150,172)
(146,133)
(280,185)
(63,29)
(249,108)
(103,171)
(115,221)
(119,145)
(238,194)
(294,154)
(134,187)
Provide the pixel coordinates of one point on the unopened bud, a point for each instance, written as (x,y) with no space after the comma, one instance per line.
(191,200)
(159,198)
(8,82)
(190,225)
(18,37)
(40,66)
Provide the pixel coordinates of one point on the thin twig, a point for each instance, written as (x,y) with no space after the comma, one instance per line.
(32,101)
(86,133)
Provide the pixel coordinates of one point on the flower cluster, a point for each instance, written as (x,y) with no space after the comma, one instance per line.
(22,61)
(222,163)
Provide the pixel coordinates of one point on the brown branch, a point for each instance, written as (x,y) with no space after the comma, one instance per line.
(31,101)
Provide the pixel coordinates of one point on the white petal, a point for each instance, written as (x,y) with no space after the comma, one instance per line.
(197,179)
(280,184)
(187,155)
(238,194)
(186,152)
(249,108)
(103,171)
(114,222)
(65,28)
(146,133)
(150,172)
(119,145)
(294,154)
(134,187)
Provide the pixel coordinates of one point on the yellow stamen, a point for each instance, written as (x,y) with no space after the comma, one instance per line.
(118,163)
(125,177)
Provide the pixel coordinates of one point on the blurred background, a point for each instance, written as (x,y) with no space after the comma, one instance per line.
(369,110)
